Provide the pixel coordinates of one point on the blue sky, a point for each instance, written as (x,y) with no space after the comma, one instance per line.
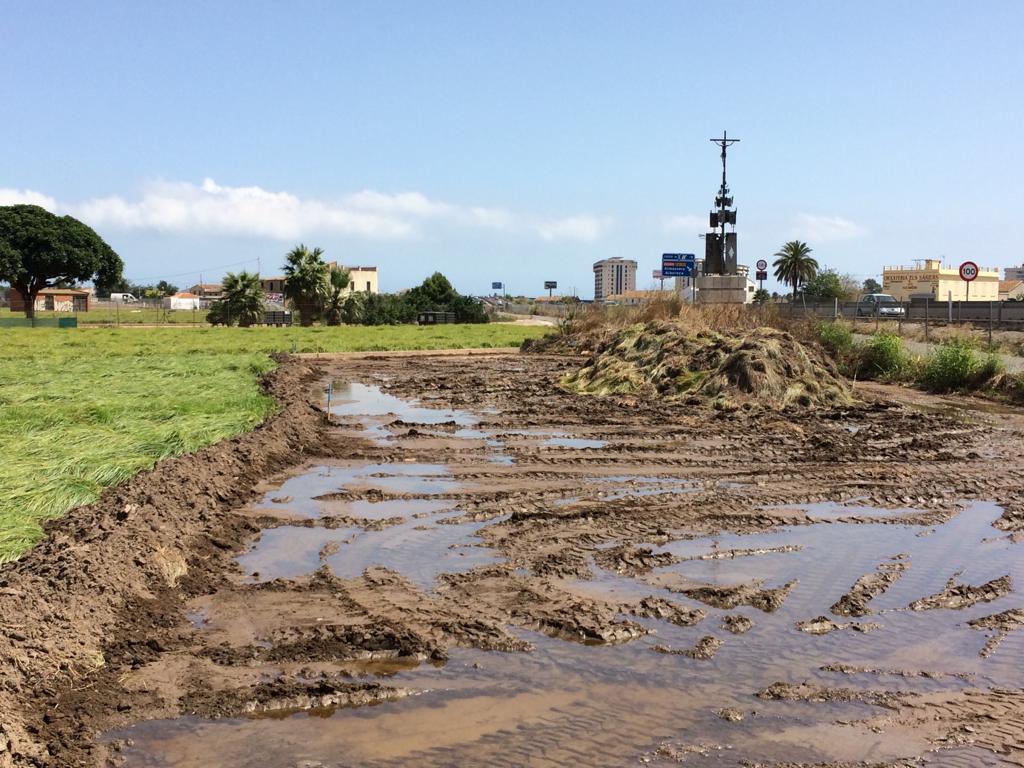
(515,141)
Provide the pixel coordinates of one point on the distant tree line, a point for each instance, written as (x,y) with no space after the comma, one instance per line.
(320,292)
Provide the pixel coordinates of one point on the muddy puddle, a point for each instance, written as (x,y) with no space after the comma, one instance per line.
(565,703)
(769,643)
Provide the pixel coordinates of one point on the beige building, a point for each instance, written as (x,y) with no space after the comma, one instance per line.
(361,279)
(613,276)
(936,281)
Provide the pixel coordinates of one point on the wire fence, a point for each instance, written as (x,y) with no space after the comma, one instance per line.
(145,312)
(992,316)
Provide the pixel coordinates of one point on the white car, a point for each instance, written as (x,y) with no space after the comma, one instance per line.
(879,305)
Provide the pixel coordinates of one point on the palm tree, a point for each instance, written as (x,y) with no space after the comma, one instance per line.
(337,283)
(794,264)
(243,298)
(306,282)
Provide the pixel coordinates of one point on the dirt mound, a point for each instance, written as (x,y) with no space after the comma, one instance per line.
(764,367)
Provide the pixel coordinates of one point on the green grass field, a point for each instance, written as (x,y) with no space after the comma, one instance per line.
(83,409)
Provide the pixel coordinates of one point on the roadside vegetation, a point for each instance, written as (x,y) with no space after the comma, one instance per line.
(958,364)
(81,410)
(955,365)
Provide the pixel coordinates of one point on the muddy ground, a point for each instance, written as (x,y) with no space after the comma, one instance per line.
(470,566)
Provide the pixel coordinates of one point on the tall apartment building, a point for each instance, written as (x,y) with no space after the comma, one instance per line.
(1015,273)
(613,276)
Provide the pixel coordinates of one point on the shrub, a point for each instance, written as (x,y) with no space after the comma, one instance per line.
(955,365)
(883,357)
(834,337)
(990,367)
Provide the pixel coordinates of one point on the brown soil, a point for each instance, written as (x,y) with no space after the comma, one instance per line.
(964,595)
(704,650)
(1001,624)
(867,587)
(824,625)
(814,693)
(138,608)
(752,594)
(736,624)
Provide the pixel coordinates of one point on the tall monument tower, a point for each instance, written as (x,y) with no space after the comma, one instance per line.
(719,245)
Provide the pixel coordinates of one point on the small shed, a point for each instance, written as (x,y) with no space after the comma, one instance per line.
(53,300)
(183,300)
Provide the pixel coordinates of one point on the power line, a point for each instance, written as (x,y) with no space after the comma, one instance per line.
(198,270)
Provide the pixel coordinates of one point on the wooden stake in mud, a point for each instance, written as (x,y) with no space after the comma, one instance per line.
(330,395)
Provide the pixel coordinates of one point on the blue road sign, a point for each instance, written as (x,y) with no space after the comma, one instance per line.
(496,286)
(678,264)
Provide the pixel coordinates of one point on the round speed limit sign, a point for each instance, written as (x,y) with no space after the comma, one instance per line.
(968,271)
(762,265)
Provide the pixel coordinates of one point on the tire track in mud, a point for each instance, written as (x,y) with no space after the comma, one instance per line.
(566,523)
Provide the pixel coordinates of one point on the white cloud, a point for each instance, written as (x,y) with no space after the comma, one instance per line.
(688,223)
(214,209)
(583,228)
(26,197)
(823,229)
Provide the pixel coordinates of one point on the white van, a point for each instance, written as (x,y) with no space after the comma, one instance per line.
(123,298)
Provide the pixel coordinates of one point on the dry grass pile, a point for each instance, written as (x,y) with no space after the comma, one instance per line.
(762,367)
(587,329)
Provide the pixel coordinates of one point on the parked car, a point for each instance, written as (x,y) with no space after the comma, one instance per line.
(879,304)
(123,298)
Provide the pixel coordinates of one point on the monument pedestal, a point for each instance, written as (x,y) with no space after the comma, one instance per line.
(721,289)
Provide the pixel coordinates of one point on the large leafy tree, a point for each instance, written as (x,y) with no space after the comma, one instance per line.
(39,249)
(437,294)
(794,264)
(871,286)
(337,285)
(306,281)
(827,284)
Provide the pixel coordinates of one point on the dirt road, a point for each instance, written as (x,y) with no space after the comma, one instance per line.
(514,575)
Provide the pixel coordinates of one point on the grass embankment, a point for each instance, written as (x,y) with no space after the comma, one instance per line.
(84,409)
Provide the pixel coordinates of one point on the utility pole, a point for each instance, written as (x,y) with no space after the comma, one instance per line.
(723,202)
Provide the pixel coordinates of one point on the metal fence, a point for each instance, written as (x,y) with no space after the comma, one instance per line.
(1001,314)
(17,321)
(151,312)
